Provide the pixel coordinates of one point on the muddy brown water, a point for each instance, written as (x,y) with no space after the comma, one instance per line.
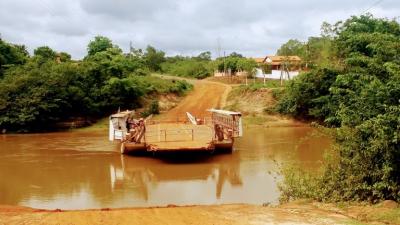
(80,170)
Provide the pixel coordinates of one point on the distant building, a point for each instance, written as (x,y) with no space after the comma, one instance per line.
(277,62)
(259,60)
(286,67)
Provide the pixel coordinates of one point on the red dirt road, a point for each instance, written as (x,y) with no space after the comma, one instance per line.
(206,95)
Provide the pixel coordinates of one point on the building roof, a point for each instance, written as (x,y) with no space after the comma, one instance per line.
(275,58)
(259,60)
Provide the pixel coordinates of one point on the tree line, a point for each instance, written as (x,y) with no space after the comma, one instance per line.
(38,90)
(203,66)
(353,86)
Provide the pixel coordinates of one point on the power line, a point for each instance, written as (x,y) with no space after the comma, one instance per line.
(372,6)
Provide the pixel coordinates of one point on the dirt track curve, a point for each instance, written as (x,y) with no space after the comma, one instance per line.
(206,95)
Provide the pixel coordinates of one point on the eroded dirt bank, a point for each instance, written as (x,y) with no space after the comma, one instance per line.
(224,214)
(295,213)
(257,106)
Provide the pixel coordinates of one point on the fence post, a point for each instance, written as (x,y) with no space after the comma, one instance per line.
(192,135)
(165,135)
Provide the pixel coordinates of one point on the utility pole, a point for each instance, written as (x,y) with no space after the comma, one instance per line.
(224,65)
(130,47)
(219,47)
(307,57)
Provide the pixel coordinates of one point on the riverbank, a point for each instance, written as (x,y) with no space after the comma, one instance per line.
(256,103)
(166,102)
(295,213)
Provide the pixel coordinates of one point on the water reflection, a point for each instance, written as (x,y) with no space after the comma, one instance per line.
(149,179)
(82,170)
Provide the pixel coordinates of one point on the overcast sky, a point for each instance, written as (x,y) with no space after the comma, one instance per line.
(252,27)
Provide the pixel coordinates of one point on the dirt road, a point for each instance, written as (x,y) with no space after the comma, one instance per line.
(206,95)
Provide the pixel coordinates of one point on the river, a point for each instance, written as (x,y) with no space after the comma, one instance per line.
(81,170)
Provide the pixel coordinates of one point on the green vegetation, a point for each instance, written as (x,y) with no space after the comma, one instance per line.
(198,67)
(316,51)
(38,91)
(260,85)
(11,55)
(99,44)
(357,91)
(153,58)
(202,66)
(236,63)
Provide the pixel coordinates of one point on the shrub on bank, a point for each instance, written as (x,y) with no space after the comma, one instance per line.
(360,95)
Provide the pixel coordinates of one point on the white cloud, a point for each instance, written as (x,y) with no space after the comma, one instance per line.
(253,28)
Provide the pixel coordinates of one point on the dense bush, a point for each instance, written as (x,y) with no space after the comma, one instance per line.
(308,96)
(361,97)
(42,91)
(198,67)
(11,55)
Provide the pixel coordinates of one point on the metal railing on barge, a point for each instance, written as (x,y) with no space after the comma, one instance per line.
(172,135)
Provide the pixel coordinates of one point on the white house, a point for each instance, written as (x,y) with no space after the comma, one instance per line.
(286,67)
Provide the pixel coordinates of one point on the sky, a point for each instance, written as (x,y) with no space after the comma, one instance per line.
(254,28)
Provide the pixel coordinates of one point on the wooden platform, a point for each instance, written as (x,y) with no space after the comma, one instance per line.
(178,136)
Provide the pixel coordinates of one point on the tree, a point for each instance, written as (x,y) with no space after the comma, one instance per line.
(64,57)
(292,47)
(247,65)
(235,54)
(45,52)
(230,63)
(99,44)
(11,55)
(319,52)
(206,56)
(154,58)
